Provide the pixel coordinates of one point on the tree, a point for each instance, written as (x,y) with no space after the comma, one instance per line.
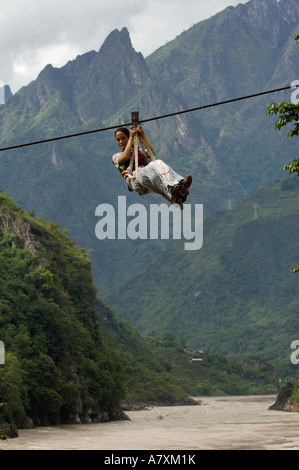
(289,113)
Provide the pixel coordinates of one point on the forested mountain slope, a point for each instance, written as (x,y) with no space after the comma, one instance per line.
(236,295)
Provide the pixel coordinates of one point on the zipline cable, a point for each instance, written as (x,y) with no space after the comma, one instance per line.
(149,119)
(219,103)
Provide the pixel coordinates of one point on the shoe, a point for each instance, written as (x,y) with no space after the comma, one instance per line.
(174,190)
(185,185)
(176,195)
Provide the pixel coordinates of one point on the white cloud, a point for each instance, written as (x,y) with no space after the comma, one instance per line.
(34,33)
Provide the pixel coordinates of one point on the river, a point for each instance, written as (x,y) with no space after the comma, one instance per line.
(219,423)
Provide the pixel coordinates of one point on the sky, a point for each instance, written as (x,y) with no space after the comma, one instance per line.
(35,33)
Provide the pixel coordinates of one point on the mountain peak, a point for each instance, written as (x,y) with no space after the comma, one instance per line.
(5,93)
(117,40)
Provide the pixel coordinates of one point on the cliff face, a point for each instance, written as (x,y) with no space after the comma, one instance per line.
(287,398)
(20,228)
(115,75)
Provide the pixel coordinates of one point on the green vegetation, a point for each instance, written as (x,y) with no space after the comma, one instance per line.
(288,397)
(56,364)
(294,397)
(146,374)
(289,113)
(204,373)
(163,370)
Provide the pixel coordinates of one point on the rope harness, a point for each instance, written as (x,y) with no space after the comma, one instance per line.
(146,151)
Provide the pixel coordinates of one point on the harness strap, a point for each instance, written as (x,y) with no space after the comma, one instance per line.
(146,151)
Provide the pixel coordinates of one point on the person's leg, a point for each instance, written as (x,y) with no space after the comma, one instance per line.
(135,185)
(173,183)
(158,177)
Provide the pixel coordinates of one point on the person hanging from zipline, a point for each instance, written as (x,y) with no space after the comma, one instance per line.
(145,176)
